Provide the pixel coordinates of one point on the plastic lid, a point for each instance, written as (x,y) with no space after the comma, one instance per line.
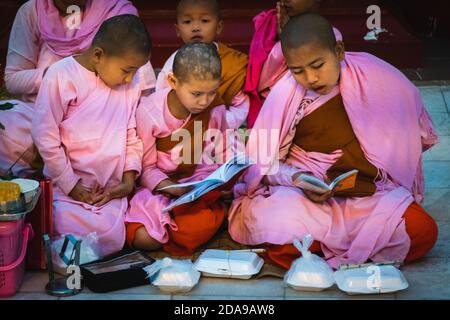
(229,262)
(371,279)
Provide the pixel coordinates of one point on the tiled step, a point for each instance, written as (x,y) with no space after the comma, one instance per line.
(399,47)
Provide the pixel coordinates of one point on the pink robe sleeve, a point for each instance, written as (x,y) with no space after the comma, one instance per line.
(147,78)
(52,103)
(22,74)
(233,116)
(283,177)
(134,149)
(151,174)
(428,134)
(274,68)
(161,81)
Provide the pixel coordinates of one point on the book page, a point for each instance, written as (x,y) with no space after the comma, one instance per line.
(344,181)
(185,198)
(219,177)
(311,183)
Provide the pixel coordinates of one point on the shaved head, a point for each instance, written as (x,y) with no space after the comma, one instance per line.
(210,4)
(199,61)
(306,29)
(122,34)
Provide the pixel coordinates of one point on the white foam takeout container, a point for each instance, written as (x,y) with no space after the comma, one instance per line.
(371,280)
(28,188)
(229,263)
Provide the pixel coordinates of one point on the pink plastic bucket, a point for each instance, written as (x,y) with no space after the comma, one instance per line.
(13,248)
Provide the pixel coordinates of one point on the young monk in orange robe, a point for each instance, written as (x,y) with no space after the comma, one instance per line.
(200,21)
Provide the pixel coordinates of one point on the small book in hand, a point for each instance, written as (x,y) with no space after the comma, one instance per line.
(218,178)
(343,182)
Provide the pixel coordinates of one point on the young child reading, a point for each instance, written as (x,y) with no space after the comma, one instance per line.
(185,107)
(43,33)
(84,128)
(266,63)
(336,111)
(200,21)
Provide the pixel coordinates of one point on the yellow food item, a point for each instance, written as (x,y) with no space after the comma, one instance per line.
(9,191)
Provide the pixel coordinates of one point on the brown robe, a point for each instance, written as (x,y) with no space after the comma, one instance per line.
(328,129)
(165,144)
(234,70)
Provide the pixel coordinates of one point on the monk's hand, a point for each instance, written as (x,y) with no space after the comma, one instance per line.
(318,197)
(80,194)
(311,195)
(122,190)
(179,191)
(282,17)
(175,191)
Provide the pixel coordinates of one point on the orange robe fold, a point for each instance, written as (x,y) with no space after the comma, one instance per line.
(420,226)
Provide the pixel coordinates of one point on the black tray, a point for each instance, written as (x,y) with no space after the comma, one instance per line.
(116,272)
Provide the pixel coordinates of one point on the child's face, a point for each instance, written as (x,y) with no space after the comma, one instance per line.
(297,7)
(195,95)
(117,71)
(316,67)
(198,22)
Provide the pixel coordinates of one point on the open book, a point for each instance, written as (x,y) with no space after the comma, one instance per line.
(343,182)
(219,177)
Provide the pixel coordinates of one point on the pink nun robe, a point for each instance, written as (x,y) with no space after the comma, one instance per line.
(39,38)
(266,61)
(155,120)
(85,131)
(393,128)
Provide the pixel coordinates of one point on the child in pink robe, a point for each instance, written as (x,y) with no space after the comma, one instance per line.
(194,83)
(393,128)
(85,129)
(40,36)
(266,61)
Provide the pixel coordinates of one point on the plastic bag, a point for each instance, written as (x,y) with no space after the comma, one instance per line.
(173,275)
(88,252)
(309,272)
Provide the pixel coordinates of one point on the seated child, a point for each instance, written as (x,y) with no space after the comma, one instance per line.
(266,63)
(40,36)
(200,21)
(84,128)
(186,105)
(334,112)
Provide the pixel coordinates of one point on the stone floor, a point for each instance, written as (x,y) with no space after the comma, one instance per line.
(428,279)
